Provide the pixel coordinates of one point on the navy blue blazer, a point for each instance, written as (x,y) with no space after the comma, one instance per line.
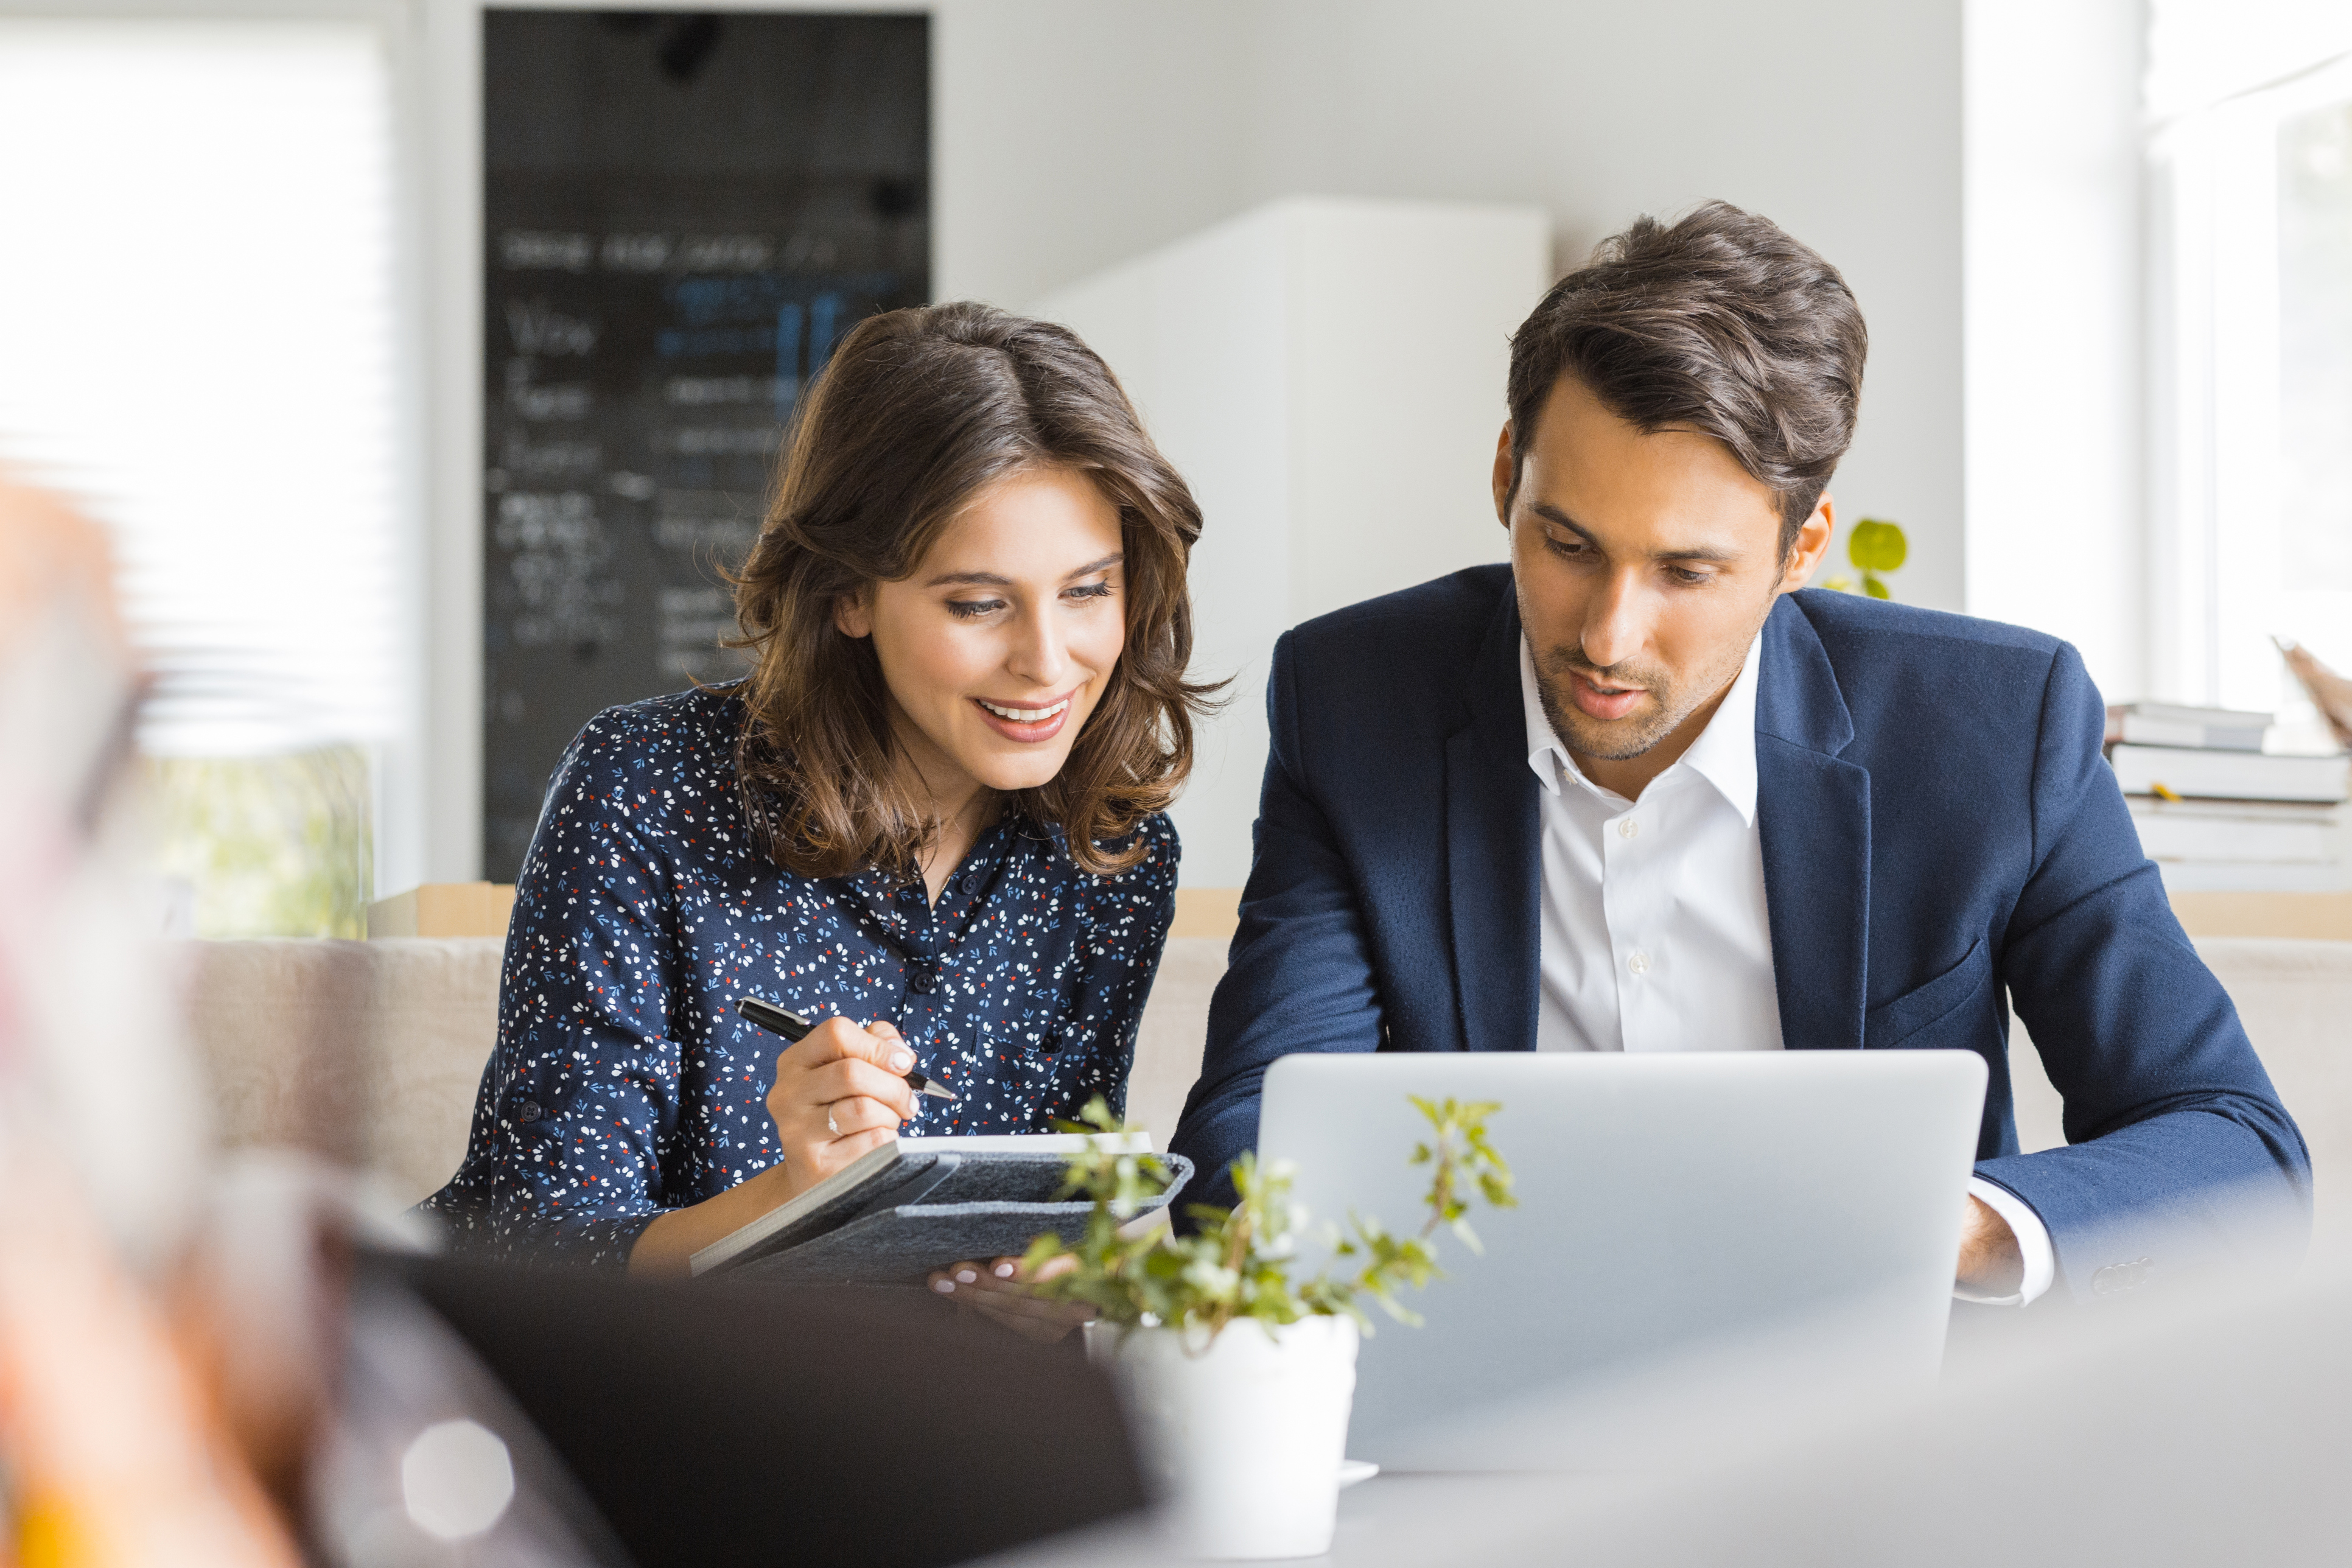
(1940,836)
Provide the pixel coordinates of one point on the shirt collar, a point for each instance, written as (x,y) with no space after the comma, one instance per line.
(1724,755)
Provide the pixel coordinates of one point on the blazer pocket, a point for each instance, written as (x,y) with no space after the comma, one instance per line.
(1894,1023)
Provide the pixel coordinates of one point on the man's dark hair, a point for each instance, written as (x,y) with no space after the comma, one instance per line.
(1721,324)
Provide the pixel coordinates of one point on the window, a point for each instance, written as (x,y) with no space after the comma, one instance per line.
(198,301)
(2251,165)
(2314,183)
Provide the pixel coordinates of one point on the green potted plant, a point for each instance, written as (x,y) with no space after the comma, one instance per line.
(1239,1376)
(1876,547)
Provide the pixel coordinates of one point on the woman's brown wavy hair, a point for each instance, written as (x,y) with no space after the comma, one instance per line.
(917,411)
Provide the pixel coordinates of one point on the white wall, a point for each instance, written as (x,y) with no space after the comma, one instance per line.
(1070,134)
(1328,373)
(1838,119)
(2053,316)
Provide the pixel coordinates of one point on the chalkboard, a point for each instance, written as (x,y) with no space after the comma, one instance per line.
(683,213)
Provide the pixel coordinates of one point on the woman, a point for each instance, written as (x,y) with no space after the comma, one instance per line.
(935,808)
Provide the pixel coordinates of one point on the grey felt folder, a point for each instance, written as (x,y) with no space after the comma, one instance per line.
(912,1207)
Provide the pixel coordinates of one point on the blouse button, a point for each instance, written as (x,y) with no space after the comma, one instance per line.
(922,979)
(530,1110)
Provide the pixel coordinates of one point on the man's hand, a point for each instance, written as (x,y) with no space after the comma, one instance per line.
(1000,1292)
(1990,1259)
(840,1093)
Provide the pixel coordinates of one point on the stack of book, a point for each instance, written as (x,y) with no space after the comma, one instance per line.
(2216,812)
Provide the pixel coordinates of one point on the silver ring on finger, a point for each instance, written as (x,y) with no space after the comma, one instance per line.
(830,1125)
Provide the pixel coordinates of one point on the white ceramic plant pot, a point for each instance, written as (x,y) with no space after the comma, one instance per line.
(1243,1436)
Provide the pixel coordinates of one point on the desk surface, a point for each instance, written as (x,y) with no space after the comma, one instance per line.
(1400,1519)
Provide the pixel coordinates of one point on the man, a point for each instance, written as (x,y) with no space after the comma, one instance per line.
(1634,792)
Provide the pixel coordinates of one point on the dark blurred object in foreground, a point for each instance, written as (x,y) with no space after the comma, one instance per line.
(723,1425)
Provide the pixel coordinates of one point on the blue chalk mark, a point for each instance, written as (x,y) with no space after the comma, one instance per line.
(822,315)
(788,360)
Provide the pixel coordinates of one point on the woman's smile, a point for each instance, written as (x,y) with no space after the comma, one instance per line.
(1029,721)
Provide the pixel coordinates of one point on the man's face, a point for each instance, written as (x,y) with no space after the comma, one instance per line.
(1644,566)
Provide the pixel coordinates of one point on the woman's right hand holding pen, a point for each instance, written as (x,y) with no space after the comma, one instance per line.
(839,1094)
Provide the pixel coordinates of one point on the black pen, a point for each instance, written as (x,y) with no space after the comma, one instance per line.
(794,1029)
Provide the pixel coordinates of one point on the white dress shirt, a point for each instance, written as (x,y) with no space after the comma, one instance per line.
(1655,932)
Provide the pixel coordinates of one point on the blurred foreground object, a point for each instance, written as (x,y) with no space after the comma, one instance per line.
(184,1378)
(91,1065)
(718,1424)
(108,1443)
(2330,692)
(2205,1423)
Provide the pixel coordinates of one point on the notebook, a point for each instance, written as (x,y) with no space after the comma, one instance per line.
(916,1204)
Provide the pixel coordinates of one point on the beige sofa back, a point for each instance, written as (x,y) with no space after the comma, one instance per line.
(371,1052)
(366,1052)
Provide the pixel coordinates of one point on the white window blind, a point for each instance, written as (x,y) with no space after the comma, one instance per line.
(197,341)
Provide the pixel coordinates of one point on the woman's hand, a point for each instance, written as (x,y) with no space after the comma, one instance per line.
(1002,1293)
(840,1093)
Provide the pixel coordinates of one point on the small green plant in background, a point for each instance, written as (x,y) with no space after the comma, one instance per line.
(1876,547)
(1238,1264)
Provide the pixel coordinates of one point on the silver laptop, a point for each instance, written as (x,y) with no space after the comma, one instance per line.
(1669,1207)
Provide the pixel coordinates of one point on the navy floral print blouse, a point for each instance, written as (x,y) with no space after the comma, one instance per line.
(624,1084)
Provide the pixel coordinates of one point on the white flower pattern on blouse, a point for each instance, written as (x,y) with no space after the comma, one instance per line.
(624,1084)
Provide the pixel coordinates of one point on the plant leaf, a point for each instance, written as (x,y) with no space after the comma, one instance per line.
(1876,545)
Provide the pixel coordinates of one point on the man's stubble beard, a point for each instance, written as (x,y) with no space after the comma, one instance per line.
(1601,740)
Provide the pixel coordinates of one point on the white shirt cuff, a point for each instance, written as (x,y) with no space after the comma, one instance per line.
(2033,1245)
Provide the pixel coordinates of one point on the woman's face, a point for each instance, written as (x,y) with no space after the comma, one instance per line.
(999,645)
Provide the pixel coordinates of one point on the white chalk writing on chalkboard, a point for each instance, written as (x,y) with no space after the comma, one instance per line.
(693,390)
(536,401)
(524,249)
(558,546)
(537,519)
(696,618)
(636,252)
(521,460)
(724,252)
(694,623)
(718,440)
(707,538)
(536,327)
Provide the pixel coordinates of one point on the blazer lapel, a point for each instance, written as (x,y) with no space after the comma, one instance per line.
(1494,863)
(1813,812)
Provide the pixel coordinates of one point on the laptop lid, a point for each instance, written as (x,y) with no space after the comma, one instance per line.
(1667,1204)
